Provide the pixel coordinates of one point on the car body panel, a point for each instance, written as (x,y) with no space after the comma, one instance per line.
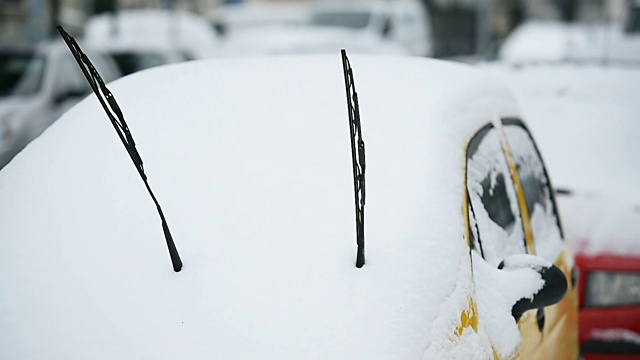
(595,322)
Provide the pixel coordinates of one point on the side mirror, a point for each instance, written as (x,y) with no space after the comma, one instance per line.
(555,282)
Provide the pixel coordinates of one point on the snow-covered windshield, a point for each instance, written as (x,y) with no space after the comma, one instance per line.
(350,19)
(21,73)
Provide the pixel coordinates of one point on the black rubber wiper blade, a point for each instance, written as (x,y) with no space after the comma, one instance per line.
(357,155)
(112,109)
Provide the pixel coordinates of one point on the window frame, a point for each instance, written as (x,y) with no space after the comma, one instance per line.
(514,121)
(471,147)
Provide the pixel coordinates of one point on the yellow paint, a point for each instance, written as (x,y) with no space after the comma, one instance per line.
(468,318)
(495,354)
(522,199)
(465,211)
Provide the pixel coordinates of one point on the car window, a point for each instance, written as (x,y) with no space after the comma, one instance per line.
(130,62)
(350,19)
(495,221)
(21,73)
(70,78)
(545,225)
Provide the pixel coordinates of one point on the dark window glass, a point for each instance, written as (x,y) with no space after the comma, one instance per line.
(354,19)
(20,73)
(130,62)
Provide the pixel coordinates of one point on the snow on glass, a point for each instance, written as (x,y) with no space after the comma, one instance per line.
(542,212)
(489,181)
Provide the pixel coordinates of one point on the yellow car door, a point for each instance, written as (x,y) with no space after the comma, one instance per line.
(550,332)
(511,211)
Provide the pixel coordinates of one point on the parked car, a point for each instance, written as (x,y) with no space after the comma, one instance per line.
(251,160)
(251,29)
(406,22)
(140,39)
(39,83)
(585,118)
(607,241)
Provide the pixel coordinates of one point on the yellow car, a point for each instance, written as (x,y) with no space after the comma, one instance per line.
(257,167)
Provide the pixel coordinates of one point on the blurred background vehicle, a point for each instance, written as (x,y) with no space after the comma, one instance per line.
(605,232)
(39,83)
(291,28)
(140,39)
(405,22)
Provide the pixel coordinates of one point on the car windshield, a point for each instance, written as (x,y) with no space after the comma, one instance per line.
(130,62)
(351,19)
(21,73)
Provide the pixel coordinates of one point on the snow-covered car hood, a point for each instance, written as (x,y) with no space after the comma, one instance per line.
(251,163)
(269,40)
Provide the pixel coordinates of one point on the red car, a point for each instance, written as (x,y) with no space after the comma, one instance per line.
(607,244)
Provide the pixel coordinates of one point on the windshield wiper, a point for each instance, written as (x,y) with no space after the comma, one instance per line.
(357,155)
(114,113)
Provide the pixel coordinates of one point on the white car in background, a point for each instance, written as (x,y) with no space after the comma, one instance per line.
(39,83)
(252,162)
(285,28)
(140,39)
(404,22)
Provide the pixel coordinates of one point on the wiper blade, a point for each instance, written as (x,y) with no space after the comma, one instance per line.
(357,155)
(111,107)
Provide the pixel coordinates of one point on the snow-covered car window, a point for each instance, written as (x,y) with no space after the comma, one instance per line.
(545,224)
(492,198)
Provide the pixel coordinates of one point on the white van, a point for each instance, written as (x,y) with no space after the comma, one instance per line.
(406,22)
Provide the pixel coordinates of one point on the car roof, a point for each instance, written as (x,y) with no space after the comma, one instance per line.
(251,162)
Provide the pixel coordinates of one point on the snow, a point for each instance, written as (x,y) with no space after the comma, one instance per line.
(583,118)
(518,280)
(497,242)
(553,41)
(549,241)
(601,224)
(251,162)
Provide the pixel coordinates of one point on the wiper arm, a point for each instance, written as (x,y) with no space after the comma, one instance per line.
(114,113)
(357,155)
